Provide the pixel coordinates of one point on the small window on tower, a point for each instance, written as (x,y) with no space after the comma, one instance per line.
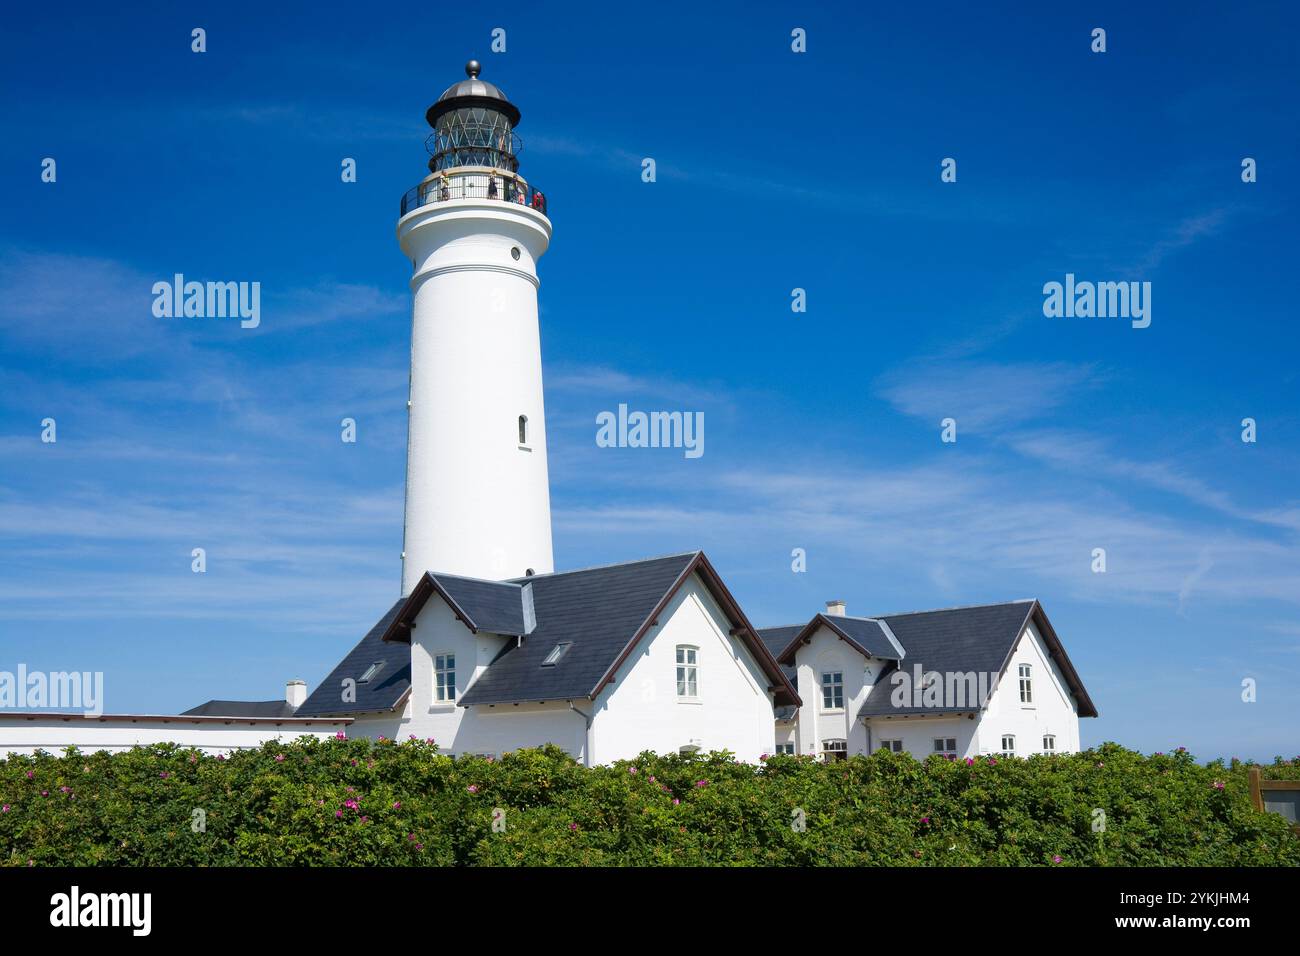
(523,429)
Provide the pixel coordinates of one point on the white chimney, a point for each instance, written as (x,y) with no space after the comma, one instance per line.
(295,693)
(835,608)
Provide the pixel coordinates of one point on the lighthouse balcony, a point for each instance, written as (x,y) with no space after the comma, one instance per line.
(471,183)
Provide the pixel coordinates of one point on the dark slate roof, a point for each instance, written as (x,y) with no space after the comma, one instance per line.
(963,640)
(598,610)
(868,634)
(241,708)
(499,607)
(602,613)
(384,692)
(776,639)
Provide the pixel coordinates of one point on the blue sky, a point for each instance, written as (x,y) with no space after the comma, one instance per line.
(776,170)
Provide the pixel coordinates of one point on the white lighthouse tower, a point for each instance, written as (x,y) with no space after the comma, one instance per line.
(477,496)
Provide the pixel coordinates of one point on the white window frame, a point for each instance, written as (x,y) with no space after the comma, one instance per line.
(785,749)
(688,672)
(836,683)
(1008,749)
(835,745)
(893,744)
(941,746)
(444,667)
(1049,743)
(1026,684)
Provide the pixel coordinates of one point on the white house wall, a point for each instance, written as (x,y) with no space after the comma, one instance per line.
(641,711)
(1053,710)
(826,652)
(468,730)
(116,734)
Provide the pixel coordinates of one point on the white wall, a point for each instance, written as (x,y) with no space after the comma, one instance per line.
(1053,710)
(479,729)
(824,653)
(641,710)
(477,503)
(117,733)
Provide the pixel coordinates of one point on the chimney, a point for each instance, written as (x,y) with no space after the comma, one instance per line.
(835,608)
(295,692)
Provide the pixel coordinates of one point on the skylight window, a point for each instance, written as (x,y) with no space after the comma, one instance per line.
(371,671)
(555,653)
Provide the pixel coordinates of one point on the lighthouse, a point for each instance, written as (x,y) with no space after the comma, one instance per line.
(477,494)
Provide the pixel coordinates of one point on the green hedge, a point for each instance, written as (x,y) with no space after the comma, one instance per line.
(357,802)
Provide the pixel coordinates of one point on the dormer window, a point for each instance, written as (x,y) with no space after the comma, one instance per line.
(553,656)
(370,672)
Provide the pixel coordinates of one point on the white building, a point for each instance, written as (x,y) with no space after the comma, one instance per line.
(488,649)
(962,682)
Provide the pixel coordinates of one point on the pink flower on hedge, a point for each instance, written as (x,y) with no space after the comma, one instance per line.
(365,819)
(340,736)
(1056,859)
(970,761)
(993,760)
(45,793)
(351,804)
(1218,785)
(419,847)
(925,819)
(4,809)
(430,741)
(916,853)
(64,789)
(472,788)
(221,756)
(676,802)
(410,836)
(164,774)
(279,758)
(194,758)
(397,805)
(383,740)
(701,783)
(29,775)
(652,779)
(337,814)
(413,737)
(573,826)
(762,756)
(631,769)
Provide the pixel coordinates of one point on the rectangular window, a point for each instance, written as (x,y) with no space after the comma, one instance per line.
(893,746)
(835,749)
(833,690)
(946,746)
(1026,685)
(1049,744)
(444,677)
(687,671)
(785,749)
(1008,745)
(370,672)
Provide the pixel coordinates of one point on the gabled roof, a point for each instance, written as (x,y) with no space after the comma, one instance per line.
(978,639)
(498,607)
(601,613)
(869,636)
(241,708)
(386,690)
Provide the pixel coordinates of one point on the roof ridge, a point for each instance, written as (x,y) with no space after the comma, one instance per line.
(598,567)
(465,577)
(955,607)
